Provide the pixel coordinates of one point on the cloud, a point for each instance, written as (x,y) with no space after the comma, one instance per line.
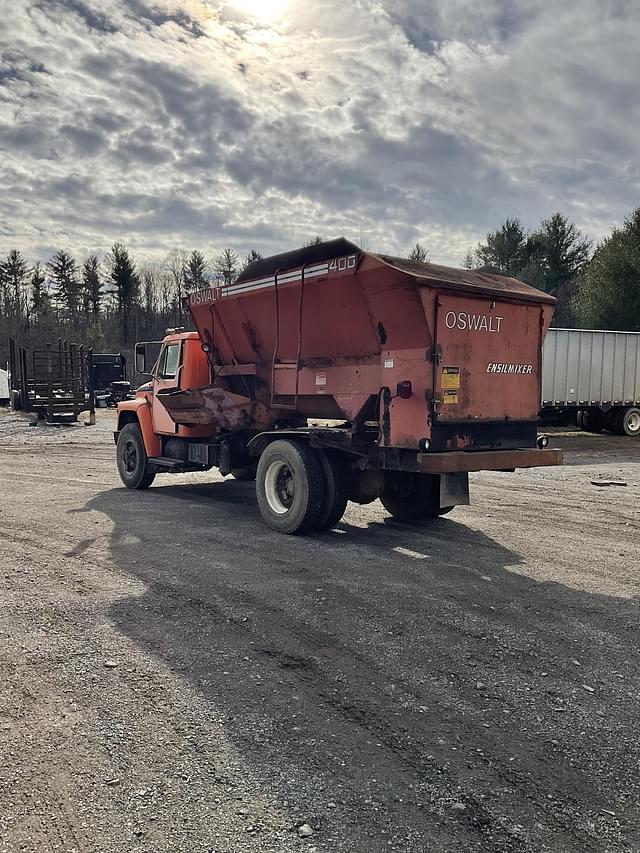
(186,123)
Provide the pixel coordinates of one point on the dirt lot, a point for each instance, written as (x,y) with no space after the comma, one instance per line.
(175,677)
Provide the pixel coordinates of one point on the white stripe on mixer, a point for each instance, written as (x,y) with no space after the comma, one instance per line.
(288,278)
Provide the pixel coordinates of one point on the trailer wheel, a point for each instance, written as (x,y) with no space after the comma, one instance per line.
(246,474)
(411,497)
(593,420)
(611,420)
(133,465)
(629,422)
(290,487)
(336,486)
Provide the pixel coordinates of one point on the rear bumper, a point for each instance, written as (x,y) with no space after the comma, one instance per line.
(487,460)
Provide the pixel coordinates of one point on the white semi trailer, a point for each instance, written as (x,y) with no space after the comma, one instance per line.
(595,375)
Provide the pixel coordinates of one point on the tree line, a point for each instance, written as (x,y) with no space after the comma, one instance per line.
(595,289)
(110,303)
(106,303)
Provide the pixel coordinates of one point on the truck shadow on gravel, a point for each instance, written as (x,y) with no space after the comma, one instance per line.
(407,688)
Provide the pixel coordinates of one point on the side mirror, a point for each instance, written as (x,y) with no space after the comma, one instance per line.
(141,359)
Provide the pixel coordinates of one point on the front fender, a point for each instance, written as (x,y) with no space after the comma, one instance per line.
(139,411)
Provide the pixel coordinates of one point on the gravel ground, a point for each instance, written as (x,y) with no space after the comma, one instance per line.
(175,677)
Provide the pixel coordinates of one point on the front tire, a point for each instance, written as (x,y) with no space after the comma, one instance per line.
(290,487)
(413,497)
(133,463)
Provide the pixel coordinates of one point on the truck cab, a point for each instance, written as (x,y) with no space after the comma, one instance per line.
(147,425)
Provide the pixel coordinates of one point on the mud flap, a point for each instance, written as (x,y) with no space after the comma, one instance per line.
(454,490)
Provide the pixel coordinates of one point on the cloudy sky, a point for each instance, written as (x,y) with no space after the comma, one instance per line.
(259,123)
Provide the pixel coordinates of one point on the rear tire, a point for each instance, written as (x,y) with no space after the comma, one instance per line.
(629,422)
(290,487)
(336,485)
(412,497)
(133,464)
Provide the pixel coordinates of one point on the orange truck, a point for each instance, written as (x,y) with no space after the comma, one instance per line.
(332,374)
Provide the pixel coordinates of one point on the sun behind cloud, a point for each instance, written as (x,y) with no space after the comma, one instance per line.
(263,9)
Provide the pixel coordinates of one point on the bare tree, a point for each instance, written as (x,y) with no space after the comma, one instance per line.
(469,260)
(175,266)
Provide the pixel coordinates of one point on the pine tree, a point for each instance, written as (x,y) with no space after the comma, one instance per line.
(195,272)
(565,250)
(504,248)
(91,287)
(250,258)
(14,276)
(608,294)
(40,299)
(63,272)
(126,286)
(226,266)
(419,254)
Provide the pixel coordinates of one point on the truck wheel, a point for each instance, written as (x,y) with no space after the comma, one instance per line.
(336,490)
(411,497)
(290,487)
(629,420)
(133,466)
(593,420)
(611,419)
(246,474)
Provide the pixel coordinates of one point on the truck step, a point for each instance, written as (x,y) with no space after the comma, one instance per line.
(165,463)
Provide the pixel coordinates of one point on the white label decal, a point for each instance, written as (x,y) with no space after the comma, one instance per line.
(388,362)
(321,379)
(464,321)
(526,369)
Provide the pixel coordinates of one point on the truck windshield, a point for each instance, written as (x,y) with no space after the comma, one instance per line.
(169,362)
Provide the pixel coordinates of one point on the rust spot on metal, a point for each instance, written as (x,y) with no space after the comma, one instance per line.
(215,406)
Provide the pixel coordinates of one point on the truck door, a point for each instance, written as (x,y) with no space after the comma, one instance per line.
(166,375)
(488,359)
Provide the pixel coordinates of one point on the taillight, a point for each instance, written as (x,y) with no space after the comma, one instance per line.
(405,389)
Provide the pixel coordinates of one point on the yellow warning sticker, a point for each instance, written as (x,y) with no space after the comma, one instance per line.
(450,397)
(451,379)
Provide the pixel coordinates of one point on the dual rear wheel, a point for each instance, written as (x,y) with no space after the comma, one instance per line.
(619,420)
(300,489)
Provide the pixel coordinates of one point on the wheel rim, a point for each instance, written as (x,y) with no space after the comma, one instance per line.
(279,487)
(633,422)
(130,457)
